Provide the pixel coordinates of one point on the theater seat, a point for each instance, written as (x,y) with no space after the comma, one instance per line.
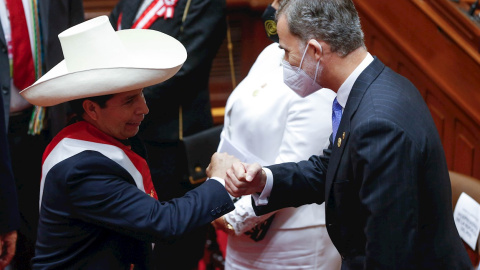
(471,186)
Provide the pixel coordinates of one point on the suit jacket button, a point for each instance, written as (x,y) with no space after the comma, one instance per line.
(4,90)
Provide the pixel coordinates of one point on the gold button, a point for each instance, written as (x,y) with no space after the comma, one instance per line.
(343,135)
(339,143)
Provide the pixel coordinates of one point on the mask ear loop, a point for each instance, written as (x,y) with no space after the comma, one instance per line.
(305,52)
(318,63)
(303,57)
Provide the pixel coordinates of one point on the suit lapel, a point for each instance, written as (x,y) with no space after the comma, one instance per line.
(340,142)
(129,10)
(2,36)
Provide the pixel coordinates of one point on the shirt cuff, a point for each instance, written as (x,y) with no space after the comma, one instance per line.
(222,181)
(262,199)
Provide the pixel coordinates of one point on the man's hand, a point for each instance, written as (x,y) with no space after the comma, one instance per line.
(243,179)
(8,242)
(219,164)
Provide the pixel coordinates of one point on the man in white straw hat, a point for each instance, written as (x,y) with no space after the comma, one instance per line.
(98,206)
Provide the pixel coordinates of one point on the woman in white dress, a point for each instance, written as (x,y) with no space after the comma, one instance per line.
(266,122)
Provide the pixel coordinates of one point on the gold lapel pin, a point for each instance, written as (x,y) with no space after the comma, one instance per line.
(339,143)
(343,135)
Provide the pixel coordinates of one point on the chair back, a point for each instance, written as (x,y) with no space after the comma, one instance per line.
(471,186)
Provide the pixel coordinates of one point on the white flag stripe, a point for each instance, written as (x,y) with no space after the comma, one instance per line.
(149,15)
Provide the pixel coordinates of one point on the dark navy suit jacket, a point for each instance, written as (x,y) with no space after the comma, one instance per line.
(93,216)
(384,179)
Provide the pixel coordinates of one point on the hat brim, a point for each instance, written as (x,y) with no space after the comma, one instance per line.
(157,57)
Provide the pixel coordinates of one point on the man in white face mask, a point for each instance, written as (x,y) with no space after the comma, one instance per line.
(384,178)
(297,79)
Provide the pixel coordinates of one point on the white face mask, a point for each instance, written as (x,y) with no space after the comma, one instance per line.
(298,80)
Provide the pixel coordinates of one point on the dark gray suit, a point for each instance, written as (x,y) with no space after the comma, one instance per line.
(387,189)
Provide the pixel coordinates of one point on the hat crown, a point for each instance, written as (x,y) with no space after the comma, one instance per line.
(93,44)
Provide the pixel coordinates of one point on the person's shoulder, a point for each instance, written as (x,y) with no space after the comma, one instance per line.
(270,56)
(268,60)
(272,53)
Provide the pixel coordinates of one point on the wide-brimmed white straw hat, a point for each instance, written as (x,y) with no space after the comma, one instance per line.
(99,61)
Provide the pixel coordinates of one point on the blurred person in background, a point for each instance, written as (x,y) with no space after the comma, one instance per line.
(267,122)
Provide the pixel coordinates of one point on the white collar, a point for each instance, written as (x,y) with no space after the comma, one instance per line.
(344,90)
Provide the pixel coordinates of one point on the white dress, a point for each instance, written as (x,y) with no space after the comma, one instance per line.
(266,122)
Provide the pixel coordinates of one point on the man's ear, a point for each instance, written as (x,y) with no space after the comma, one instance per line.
(90,108)
(318,48)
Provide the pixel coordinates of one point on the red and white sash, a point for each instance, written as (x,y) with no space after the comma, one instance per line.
(84,136)
(157,9)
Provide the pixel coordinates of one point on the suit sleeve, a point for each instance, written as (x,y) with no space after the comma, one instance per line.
(296,184)
(9,215)
(389,190)
(100,194)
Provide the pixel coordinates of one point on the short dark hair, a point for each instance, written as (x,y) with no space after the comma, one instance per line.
(77,104)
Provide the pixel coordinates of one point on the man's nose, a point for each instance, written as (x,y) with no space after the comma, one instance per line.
(143,108)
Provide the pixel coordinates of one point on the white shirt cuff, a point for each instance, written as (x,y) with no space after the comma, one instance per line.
(262,199)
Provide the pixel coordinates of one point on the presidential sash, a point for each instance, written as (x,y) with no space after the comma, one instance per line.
(83,136)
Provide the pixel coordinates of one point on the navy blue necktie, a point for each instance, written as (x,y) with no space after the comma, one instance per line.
(336,117)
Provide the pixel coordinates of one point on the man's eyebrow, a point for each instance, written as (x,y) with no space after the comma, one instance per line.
(130,97)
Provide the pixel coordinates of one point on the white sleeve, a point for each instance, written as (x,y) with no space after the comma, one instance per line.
(243,218)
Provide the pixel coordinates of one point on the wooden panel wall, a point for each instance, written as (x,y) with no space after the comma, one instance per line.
(439,54)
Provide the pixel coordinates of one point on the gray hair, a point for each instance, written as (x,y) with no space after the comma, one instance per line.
(334,21)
